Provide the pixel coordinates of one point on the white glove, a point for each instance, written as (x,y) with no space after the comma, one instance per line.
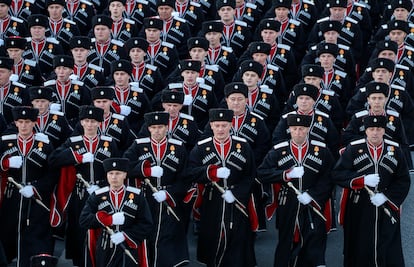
(228,196)
(304,198)
(160,196)
(157,171)
(188,100)
(117,238)
(378,199)
(55,107)
(125,110)
(296,172)
(223,172)
(27,191)
(87,157)
(118,218)
(92,189)
(371,179)
(15,162)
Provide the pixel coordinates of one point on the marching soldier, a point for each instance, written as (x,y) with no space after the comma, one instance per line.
(137,10)
(130,100)
(49,122)
(79,155)
(105,50)
(90,74)
(22,9)
(12,93)
(192,12)
(375,177)
(41,49)
(236,33)
(60,28)
(146,75)
(129,218)
(11,26)
(28,181)
(81,12)
(305,165)
(68,95)
(159,163)
(122,28)
(248,12)
(162,54)
(224,165)
(27,70)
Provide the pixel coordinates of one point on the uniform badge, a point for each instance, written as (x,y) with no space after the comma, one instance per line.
(305,6)
(185,122)
(50,47)
(16,90)
(397,94)
(131,197)
(77,147)
(390,150)
(40,146)
(106,145)
(409,53)
(14,25)
(140,7)
(391,120)
(292,27)
(271,73)
(10,144)
(283,153)
(320,119)
(83,7)
(149,72)
(103,198)
(54,118)
(135,95)
(337,78)
(116,121)
(177,25)
(348,26)
(114,48)
(239,29)
(27,69)
(172,148)
(359,9)
(282,52)
(401,73)
(341,53)
(128,27)
(225,54)
(316,150)
(191,9)
(164,50)
(360,151)
(210,73)
(326,98)
(204,93)
(253,122)
(264,96)
(67,26)
(238,147)
(145,149)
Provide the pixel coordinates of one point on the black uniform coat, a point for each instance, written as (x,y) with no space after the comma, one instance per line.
(28,72)
(293,218)
(225,234)
(137,226)
(24,224)
(167,242)
(14,94)
(81,13)
(370,239)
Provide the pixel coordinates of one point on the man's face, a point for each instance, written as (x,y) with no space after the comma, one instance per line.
(401,13)
(305,103)
(55,11)
(260,57)
(198,53)
(337,13)
(375,135)
(158,132)
(90,126)
(397,36)
(137,55)
(190,77)
(251,79)
(4,75)
(269,36)
(4,10)
(116,179)
(63,73)
(79,54)
(331,37)
(327,60)
(313,80)
(25,127)
(387,54)
(104,104)
(172,108)
(41,104)
(213,38)
(236,102)
(377,102)
(116,8)
(15,53)
(152,35)
(121,78)
(226,13)
(381,75)
(282,13)
(221,130)
(298,134)
(102,33)
(164,12)
(37,33)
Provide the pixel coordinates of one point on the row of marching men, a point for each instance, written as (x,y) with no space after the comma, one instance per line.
(125,229)
(32,167)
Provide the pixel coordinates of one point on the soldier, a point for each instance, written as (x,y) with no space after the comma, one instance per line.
(218,54)
(327,101)
(137,10)
(130,100)
(49,122)
(81,12)
(27,70)
(90,74)
(193,14)
(248,12)
(25,230)
(122,28)
(159,163)
(375,177)
(12,93)
(162,54)
(22,9)
(79,155)
(321,129)
(303,164)
(175,30)
(224,164)
(60,28)
(236,33)
(11,26)
(129,216)
(146,75)
(105,50)
(41,49)
(69,95)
